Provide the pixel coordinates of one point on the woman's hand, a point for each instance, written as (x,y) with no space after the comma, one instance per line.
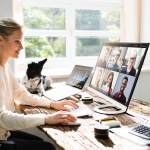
(60,105)
(60,117)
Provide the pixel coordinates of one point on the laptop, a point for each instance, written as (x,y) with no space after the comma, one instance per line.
(75,83)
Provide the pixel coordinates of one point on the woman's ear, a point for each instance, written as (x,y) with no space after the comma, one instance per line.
(1,40)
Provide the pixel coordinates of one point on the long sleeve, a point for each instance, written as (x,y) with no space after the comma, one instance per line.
(14,121)
(10,90)
(22,96)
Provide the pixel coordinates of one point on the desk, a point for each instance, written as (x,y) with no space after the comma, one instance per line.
(82,137)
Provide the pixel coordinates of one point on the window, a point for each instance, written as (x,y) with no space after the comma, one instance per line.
(70,32)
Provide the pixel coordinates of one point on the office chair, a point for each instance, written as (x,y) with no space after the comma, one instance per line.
(9,143)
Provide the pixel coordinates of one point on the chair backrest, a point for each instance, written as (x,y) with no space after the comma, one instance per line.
(9,143)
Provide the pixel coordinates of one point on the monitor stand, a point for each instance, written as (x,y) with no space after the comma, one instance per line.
(122,108)
(98,109)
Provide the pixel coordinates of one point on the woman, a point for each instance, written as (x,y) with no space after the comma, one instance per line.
(10,47)
(97,80)
(109,55)
(106,88)
(102,62)
(130,70)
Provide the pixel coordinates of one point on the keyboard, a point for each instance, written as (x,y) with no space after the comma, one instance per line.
(82,110)
(141,131)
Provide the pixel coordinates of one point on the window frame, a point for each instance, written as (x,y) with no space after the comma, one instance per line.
(70,33)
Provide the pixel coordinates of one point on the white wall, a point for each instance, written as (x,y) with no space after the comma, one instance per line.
(142,90)
(145,20)
(145,25)
(6,10)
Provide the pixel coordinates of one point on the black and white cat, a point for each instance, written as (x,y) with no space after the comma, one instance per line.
(34,81)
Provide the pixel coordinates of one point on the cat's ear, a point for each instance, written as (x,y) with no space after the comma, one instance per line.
(29,64)
(42,62)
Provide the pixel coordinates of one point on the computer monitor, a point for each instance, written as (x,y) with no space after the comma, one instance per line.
(116,73)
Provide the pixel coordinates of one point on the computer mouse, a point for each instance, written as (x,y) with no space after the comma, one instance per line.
(72,123)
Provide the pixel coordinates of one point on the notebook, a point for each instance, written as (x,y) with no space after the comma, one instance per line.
(75,83)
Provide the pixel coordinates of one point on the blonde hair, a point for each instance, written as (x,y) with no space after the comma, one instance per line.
(8,26)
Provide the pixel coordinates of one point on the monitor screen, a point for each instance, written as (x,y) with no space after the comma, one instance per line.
(117,70)
(79,76)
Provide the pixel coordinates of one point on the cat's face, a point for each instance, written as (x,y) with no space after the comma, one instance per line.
(35,69)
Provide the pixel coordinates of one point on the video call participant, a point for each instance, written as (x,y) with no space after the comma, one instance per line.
(120,95)
(106,88)
(108,56)
(130,70)
(114,66)
(98,77)
(102,62)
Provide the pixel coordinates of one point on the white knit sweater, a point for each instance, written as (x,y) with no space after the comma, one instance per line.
(11,90)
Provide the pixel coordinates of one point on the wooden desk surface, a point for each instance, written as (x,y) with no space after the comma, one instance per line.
(82,137)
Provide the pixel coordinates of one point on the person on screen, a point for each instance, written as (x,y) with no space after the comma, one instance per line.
(102,62)
(108,56)
(114,66)
(119,96)
(97,80)
(106,87)
(130,70)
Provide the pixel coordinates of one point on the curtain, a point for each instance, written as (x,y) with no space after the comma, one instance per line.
(131,21)
(18,16)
